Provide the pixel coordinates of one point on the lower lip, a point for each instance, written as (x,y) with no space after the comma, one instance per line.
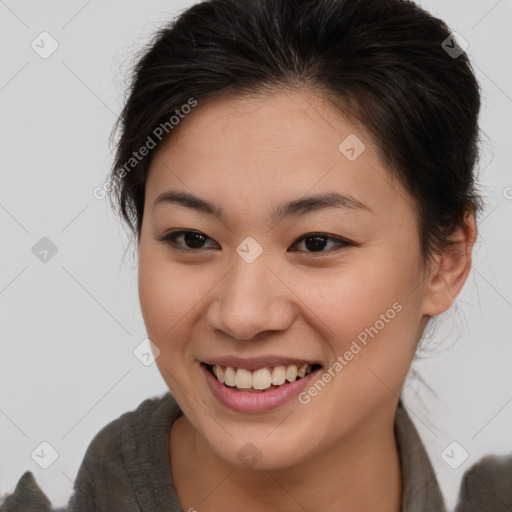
(256,402)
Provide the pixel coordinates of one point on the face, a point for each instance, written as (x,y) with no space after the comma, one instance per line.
(336,285)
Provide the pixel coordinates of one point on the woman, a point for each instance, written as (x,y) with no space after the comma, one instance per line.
(299,177)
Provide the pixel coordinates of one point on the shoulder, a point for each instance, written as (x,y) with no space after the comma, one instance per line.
(119,466)
(120,445)
(487,486)
(106,460)
(26,496)
(107,444)
(119,454)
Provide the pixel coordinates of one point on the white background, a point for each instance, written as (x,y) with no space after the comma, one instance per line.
(69,326)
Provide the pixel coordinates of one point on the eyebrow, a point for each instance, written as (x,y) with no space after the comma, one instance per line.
(295,207)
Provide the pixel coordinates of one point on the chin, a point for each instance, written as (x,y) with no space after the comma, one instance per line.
(252,456)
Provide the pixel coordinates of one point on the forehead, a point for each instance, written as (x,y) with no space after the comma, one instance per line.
(266,148)
(287,124)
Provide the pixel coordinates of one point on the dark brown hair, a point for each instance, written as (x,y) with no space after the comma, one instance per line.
(385,63)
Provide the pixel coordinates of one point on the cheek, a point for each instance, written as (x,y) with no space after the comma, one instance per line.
(167,299)
(368,316)
(352,297)
(165,295)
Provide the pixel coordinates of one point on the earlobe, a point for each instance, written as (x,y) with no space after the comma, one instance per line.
(451,269)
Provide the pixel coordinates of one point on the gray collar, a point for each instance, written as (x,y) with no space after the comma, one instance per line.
(421,492)
(420,489)
(135,448)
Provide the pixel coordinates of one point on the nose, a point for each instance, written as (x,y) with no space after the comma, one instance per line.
(251,300)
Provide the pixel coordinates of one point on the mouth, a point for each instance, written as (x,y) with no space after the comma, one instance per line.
(259,380)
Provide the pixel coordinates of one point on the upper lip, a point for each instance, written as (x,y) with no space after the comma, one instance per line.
(254,363)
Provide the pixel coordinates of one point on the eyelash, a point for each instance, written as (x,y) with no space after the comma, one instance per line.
(170,240)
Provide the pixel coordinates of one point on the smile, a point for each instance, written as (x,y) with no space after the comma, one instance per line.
(258,390)
(261,379)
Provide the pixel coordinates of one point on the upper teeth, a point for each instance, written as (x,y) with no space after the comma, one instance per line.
(262,378)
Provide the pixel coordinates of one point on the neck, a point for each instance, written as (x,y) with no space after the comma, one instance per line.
(361,472)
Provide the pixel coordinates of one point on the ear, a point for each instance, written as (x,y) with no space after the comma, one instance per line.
(450,269)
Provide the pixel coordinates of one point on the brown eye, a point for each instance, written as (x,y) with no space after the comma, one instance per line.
(191,239)
(194,240)
(317,242)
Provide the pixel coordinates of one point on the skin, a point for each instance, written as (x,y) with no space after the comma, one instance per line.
(248,154)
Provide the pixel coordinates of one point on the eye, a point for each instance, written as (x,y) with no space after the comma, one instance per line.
(316,242)
(192,239)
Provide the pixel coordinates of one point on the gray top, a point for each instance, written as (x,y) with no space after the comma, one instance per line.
(126,469)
